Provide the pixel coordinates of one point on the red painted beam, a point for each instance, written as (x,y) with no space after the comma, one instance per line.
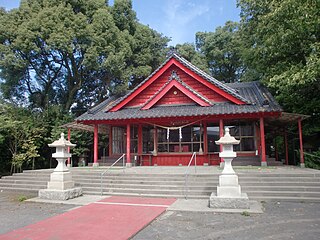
(263,142)
(180,87)
(128,144)
(143,87)
(95,144)
(208,84)
(300,140)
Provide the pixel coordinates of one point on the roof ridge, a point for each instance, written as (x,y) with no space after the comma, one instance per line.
(209,78)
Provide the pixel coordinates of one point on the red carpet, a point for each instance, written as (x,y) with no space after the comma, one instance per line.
(103,220)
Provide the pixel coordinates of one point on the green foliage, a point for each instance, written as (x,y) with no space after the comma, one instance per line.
(245,213)
(222,51)
(21,133)
(74,53)
(312,160)
(22,198)
(189,52)
(282,48)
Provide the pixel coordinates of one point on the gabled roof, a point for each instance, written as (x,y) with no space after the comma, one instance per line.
(193,71)
(260,98)
(183,87)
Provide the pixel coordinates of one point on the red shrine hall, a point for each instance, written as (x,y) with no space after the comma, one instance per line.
(180,110)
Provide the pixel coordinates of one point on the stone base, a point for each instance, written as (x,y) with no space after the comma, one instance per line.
(264,164)
(95,165)
(302,165)
(65,185)
(228,202)
(60,194)
(221,164)
(128,165)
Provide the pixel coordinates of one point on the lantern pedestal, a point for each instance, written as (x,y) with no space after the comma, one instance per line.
(229,195)
(61,186)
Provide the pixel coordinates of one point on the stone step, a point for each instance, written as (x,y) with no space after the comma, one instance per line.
(148,187)
(25,185)
(291,199)
(281,188)
(282,194)
(149,195)
(157,175)
(149,191)
(15,181)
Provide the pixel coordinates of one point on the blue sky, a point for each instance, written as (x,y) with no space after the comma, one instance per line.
(177,19)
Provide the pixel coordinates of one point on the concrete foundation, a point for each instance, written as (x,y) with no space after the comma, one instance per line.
(63,195)
(241,202)
(264,164)
(128,165)
(95,165)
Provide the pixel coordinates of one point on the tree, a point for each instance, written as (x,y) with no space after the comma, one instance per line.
(283,48)
(70,52)
(20,134)
(189,52)
(222,51)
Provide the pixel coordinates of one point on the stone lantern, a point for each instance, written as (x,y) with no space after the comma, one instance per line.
(229,191)
(61,186)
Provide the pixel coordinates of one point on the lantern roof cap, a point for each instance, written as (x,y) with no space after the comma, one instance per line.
(227,139)
(62,142)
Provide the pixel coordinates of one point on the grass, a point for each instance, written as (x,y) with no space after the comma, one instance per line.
(22,198)
(245,213)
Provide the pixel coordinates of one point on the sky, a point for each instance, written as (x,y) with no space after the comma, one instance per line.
(177,19)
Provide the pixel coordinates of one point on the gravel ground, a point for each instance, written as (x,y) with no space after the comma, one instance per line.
(281,220)
(15,214)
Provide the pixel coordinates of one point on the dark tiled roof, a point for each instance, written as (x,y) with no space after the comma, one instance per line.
(260,98)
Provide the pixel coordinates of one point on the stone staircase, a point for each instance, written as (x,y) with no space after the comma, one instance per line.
(258,185)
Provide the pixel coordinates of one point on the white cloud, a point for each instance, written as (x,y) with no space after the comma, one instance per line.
(179,14)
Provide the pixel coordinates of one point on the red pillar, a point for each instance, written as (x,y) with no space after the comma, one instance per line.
(301,143)
(155,141)
(221,132)
(205,138)
(95,146)
(140,143)
(128,146)
(263,143)
(110,141)
(258,140)
(69,137)
(286,146)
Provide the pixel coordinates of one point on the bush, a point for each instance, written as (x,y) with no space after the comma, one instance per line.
(312,160)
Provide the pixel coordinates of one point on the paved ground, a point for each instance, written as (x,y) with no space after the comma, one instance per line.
(110,218)
(281,220)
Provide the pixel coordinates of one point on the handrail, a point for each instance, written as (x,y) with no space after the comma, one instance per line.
(108,169)
(186,190)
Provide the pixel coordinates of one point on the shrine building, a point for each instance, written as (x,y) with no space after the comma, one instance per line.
(180,110)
